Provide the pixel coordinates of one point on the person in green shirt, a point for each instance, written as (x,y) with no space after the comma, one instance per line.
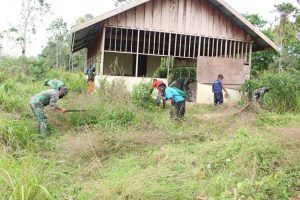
(43,99)
(54,84)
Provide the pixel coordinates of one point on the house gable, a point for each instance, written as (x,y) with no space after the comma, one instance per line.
(180,16)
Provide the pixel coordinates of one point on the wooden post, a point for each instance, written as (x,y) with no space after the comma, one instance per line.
(126,41)
(217,50)
(226,48)
(199,46)
(137,55)
(121,41)
(221,50)
(204,41)
(175,48)
(153,52)
(246,52)
(250,54)
(102,52)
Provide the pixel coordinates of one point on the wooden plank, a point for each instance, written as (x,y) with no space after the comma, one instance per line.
(164,44)
(154,41)
(217,48)
(250,55)
(180,45)
(113,21)
(148,15)
(159,36)
(234,49)
(169,47)
(157,14)
(131,39)
(149,42)
(116,37)
(110,35)
(210,20)
(181,16)
(140,16)
(199,46)
(204,47)
(246,52)
(184,46)
(126,43)
(226,48)
(173,15)
(102,52)
(131,18)
(209,68)
(137,55)
(238,50)
(122,19)
(121,41)
(144,42)
(208,47)
(230,49)
(194,51)
(165,14)
(188,21)
(190,43)
(242,50)
(213,48)
(175,47)
(221,50)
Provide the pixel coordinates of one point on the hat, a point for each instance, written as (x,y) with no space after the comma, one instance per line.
(46,82)
(65,90)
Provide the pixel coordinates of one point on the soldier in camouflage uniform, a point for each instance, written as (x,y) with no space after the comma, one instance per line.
(258,94)
(45,98)
(54,84)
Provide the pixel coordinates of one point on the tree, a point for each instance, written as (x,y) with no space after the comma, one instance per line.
(256,20)
(122,2)
(31,12)
(285,10)
(1,47)
(261,60)
(59,31)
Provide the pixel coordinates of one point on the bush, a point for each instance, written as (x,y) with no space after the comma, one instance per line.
(141,96)
(284,93)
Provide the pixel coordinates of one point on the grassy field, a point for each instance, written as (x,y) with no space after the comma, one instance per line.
(118,150)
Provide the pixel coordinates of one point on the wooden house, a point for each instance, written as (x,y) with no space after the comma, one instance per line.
(130,41)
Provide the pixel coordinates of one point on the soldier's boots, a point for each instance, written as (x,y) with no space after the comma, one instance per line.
(43,130)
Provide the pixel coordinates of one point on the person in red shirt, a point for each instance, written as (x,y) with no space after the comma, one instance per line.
(157,84)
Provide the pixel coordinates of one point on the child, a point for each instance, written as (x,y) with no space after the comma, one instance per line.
(217,89)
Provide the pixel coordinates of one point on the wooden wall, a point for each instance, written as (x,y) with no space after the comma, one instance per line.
(233,70)
(95,46)
(197,17)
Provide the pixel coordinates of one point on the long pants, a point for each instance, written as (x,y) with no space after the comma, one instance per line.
(218,98)
(159,99)
(178,110)
(38,110)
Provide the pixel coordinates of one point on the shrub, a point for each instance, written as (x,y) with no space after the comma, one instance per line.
(141,96)
(284,93)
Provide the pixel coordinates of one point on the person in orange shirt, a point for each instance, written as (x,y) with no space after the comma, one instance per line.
(90,72)
(90,82)
(157,84)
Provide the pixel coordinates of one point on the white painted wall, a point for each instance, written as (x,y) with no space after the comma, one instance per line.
(129,81)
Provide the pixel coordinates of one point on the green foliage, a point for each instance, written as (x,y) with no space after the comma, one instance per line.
(26,178)
(256,20)
(284,92)
(141,96)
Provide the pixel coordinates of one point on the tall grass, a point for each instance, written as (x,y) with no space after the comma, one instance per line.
(284,94)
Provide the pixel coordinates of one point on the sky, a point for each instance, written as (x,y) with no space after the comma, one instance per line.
(70,10)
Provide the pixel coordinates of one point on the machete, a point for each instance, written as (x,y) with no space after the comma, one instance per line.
(74,111)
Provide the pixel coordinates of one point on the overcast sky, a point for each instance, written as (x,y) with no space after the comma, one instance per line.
(70,10)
